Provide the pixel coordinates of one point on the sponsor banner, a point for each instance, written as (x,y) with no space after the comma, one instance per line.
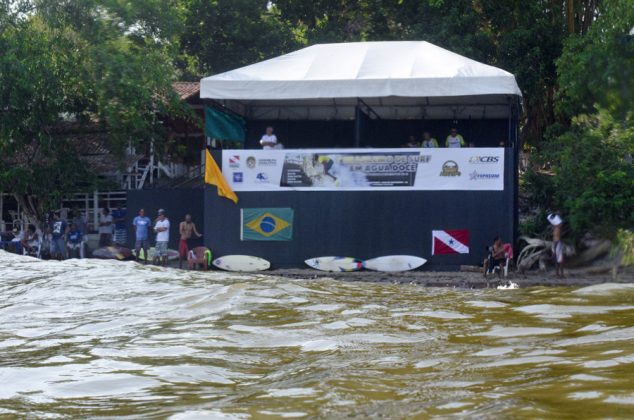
(365,169)
(450,242)
(269,224)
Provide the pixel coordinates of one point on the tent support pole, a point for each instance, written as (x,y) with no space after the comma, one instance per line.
(357,125)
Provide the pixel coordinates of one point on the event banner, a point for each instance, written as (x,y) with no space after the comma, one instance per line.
(364,169)
(266,224)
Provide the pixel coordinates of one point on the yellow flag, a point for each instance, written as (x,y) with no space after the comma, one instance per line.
(213,176)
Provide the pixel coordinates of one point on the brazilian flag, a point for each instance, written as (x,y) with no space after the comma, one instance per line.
(272,224)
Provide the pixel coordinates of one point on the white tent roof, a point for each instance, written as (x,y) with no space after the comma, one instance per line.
(410,70)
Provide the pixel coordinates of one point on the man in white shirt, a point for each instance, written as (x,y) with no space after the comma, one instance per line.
(162,229)
(269,140)
(105,228)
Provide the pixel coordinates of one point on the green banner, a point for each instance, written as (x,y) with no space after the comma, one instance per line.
(224,126)
(271,224)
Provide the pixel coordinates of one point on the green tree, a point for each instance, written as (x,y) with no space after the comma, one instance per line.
(220,35)
(83,62)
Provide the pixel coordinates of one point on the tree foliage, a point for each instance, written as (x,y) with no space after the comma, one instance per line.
(103,63)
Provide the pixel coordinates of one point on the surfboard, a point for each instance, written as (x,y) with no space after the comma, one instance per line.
(394,263)
(334,263)
(172,254)
(112,253)
(242,263)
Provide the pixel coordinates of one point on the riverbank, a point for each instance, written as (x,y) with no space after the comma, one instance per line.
(463,279)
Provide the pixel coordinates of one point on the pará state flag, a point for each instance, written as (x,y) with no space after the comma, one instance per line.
(269,224)
(450,242)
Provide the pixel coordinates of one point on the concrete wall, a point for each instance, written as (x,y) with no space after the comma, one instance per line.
(367,224)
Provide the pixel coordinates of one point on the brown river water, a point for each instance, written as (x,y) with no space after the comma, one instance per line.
(87,338)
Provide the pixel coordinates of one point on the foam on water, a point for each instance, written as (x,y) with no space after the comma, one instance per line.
(89,338)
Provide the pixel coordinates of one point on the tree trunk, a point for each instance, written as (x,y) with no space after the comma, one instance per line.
(570,16)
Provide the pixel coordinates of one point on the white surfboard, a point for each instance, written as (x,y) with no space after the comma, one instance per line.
(335,263)
(242,263)
(394,263)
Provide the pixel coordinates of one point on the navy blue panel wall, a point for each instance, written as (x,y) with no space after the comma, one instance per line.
(366,224)
(176,202)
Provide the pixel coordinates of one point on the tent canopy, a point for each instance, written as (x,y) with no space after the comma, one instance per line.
(400,79)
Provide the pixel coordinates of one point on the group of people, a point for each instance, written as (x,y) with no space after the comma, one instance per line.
(161,227)
(59,238)
(498,253)
(454,139)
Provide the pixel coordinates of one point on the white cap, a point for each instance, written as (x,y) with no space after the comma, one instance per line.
(554,219)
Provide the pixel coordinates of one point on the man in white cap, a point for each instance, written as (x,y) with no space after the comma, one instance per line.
(162,229)
(558,246)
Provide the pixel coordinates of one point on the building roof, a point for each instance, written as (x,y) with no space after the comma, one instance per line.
(186,90)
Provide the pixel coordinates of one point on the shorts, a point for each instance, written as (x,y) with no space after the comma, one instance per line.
(73,246)
(58,246)
(558,252)
(183,248)
(161,248)
(121,236)
(142,243)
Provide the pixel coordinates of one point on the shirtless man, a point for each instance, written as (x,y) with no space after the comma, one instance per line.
(558,246)
(187,229)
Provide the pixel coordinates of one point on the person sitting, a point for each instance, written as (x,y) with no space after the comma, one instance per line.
(31,241)
(429,141)
(74,241)
(411,142)
(269,140)
(496,258)
(454,139)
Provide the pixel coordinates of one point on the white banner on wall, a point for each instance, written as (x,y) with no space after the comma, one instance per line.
(365,169)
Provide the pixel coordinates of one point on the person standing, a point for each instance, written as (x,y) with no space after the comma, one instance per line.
(187,229)
(454,139)
(58,234)
(80,222)
(269,140)
(141,225)
(162,229)
(105,228)
(74,239)
(429,141)
(120,231)
(558,246)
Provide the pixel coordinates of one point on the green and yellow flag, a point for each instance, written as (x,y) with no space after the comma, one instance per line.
(271,224)
(213,176)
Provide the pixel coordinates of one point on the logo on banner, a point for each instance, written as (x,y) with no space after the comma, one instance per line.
(484,159)
(450,242)
(238,177)
(474,176)
(267,162)
(251,162)
(450,168)
(262,177)
(267,224)
(234,161)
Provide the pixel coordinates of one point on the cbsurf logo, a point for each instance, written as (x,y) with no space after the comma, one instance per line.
(484,159)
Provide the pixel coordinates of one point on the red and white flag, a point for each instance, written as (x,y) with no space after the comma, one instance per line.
(450,242)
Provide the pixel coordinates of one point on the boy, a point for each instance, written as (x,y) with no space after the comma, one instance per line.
(73,241)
